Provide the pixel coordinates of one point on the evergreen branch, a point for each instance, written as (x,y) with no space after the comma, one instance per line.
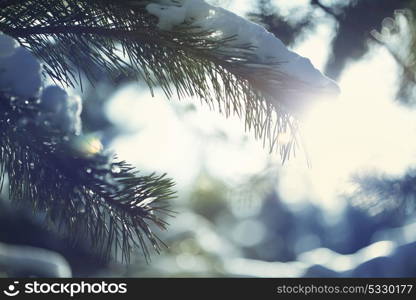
(404,34)
(326,9)
(122,39)
(380,193)
(408,71)
(84,194)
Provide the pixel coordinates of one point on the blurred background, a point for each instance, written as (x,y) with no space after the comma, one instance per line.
(344,205)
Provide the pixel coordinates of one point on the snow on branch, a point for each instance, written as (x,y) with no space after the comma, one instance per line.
(188,48)
(66,175)
(267,48)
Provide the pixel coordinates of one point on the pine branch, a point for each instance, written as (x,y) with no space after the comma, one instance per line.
(326,9)
(82,192)
(379,193)
(122,38)
(398,37)
(408,71)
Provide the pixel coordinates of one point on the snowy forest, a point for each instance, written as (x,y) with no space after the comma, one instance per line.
(204,138)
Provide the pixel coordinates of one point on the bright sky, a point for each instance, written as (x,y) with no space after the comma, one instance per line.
(362,130)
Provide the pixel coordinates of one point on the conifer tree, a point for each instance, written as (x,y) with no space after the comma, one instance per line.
(187,48)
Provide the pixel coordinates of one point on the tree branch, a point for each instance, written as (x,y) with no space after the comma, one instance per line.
(326,9)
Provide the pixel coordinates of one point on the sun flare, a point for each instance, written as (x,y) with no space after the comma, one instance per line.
(362,130)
